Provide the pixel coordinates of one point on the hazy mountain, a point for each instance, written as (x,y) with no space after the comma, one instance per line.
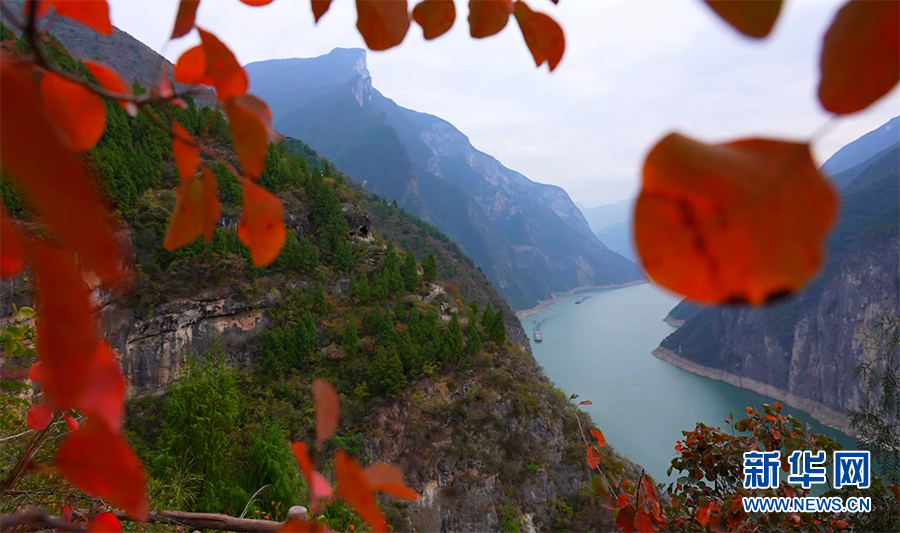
(528,238)
(612,225)
(840,166)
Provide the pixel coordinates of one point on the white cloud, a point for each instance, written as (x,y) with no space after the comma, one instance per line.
(633,70)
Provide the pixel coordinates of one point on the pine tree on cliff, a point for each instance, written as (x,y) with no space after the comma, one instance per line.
(321,299)
(487,319)
(362,288)
(498,328)
(391,267)
(410,272)
(429,268)
(473,339)
(350,340)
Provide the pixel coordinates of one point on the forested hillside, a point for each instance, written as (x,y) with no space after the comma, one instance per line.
(220,355)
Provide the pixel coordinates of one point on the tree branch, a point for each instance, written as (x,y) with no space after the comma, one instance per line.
(37,519)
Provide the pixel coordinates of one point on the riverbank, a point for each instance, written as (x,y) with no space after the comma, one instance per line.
(827,416)
(543,304)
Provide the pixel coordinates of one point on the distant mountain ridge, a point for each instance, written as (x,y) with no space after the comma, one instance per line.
(840,166)
(529,238)
(611,223)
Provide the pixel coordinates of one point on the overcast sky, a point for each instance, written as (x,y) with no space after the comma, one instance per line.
(633,70)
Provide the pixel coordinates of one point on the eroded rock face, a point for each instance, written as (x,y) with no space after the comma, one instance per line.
(153,345)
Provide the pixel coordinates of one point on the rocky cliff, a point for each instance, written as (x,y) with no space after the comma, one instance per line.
(802,351)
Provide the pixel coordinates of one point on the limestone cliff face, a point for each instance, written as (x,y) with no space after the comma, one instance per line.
(803,351)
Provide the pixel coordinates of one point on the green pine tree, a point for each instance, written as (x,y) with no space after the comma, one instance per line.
(473,339)
(429,268)
(350,340)
(391,267)
(362,288)
(321,299)
(387,372)
(410,272)
(498,328)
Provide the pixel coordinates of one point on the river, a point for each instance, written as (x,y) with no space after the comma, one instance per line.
(600,350)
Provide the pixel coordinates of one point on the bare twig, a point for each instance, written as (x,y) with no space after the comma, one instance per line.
(588,444)
(37,519)
(40,519)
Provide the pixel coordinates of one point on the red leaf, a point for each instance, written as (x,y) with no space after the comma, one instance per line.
(101,464)
(71,422)
(184,20)
(319,488)
(165,89)
(622,500)
(12,258)
(860,59)
(703,515)
(435,16)
(841,524)
(642,522)
(488,17)
(388,479)
(36,373)
(197,211)
(77,112)
(250,122)
(187,154)
(319,8)
(586,402)
(105,523)
(382,23)
(66,330)
(544,37)
(39,417)
(601,440)
(738,222)
(227,74)
(65,513)
(104,394)
(261,226)
(327,410)
(190,68)
(92,13)
(625,519)
(354,489)
(753,18)
(593,458)
(111,81)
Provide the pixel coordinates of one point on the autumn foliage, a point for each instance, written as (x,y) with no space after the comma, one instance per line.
(742,221)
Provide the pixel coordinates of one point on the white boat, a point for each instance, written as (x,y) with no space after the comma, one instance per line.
(538,337)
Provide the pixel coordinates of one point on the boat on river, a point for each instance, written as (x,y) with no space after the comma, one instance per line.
(538,337)
(579,301)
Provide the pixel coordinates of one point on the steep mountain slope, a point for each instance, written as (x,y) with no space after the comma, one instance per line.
(803,350)
(861,150)
(426,379)
(611,223)
(528,238)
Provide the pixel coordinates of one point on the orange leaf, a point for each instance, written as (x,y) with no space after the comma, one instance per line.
(261,226)
(841,524)
(738,222)
(105,523)
(250,122)
(642,522)
(327,410)
(101,464)
(319,488)
(111,81)
(319,8)
(703,515)
(36,372)
(625,519)
(593,458)
(753,18)
(354,489)
(435,16)
(12,258)
(227,74)
(382,23)
(66,330)
(190,68)
(187,154)
(256,3)
(92,13)
(388,479)
(71,422)
(601,440)
(184,20)
(544,37)
(488,17)
(104,394)
(196,211)
(860,59)
(39,417)
(77,111)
